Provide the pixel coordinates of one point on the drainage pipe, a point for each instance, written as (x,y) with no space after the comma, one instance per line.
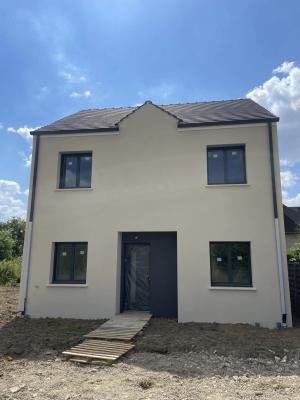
(277,231)
(27,249)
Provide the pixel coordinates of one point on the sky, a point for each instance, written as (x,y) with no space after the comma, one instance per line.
(58,57)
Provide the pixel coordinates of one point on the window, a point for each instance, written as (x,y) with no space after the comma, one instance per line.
(70,263)
(75,170)
(226,165)
(230,264)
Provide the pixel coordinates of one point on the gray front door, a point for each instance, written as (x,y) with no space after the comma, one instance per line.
(137,276)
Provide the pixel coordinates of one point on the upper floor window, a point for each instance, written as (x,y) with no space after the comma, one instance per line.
(226,164)
(70,261)
(75,170)
(230,264)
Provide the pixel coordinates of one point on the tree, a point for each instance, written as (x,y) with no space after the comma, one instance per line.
(6,245)
(16,227)
(294,254)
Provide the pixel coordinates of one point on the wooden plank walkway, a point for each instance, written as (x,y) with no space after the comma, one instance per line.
(111,340)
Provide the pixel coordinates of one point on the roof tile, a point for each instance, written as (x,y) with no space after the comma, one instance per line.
(200,113)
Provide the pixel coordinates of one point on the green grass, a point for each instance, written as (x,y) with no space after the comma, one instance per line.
(10,272)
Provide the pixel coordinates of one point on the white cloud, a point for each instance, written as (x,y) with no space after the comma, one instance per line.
(9,186)
(10,202)
(26,159)
(67,75)
(286,163)
(70,72)
(285,67)
(291,201)
(281,95)
(288,179)
(23,131)
(86,93)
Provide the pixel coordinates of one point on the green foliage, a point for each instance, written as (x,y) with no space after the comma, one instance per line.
(16,228)
(293,254)
(10,272)
(11,248)
(6,245)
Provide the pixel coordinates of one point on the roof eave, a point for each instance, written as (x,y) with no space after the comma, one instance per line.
(233,122)
(72,131)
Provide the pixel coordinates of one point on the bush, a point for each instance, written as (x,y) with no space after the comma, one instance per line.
(6,245)
(10,272)
(293,254)
(15,227)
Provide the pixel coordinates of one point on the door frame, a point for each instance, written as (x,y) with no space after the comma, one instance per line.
(143,237)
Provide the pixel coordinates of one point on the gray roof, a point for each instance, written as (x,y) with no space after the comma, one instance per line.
(188,114)
(291,219)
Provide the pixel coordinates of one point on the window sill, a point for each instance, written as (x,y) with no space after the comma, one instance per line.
(72,285)
(235,288)
(72,189)
(228,185)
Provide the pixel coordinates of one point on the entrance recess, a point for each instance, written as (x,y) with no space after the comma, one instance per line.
(149,273)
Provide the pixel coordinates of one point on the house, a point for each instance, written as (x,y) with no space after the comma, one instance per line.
(175,209)
(292,225)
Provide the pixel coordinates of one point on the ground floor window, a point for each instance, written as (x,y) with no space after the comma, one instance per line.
(70,261)
(230,264)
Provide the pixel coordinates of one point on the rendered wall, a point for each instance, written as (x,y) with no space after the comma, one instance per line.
(152,177)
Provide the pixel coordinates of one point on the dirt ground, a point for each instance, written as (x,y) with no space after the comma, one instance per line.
(170,361)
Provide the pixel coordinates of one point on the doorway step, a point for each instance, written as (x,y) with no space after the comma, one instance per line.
(111,340)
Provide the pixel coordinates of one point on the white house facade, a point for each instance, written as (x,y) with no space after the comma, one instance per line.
(172,209)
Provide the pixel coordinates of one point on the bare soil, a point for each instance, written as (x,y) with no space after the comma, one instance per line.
(170,361)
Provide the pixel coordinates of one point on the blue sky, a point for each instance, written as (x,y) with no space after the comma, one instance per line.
(61,56)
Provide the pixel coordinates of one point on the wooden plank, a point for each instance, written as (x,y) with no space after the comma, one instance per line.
(93,354)
(100,357)
(89,346)
(112,338)
(102,351)
(104,343)
(109,345)
(110,341)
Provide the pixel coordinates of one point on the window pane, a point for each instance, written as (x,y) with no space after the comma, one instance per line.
(70,169)
(80,262)
(64,262)
(240,261)
(235,165)
(85,171)
(219,263)
(215,166)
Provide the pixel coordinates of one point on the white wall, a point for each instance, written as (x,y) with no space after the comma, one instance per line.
(151,177)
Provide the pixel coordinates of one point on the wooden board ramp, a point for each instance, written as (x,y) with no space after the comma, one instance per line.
(111,340)
(123,326)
